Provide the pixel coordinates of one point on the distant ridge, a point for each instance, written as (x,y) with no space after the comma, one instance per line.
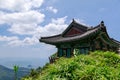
(8,74)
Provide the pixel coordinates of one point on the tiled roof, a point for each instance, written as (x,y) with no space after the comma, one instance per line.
(59,38)
(84,28)
(89,30)
(115,41)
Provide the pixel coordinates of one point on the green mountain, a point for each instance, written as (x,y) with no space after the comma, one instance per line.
(97,65)
(8,74)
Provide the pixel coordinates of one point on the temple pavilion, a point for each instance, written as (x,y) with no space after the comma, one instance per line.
(82,38)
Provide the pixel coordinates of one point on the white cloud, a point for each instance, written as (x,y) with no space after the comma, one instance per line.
(25,41)
(20,5)
(56,26)
(81,21)
(22,23)
(6,38)
(36,3)
(22,17)
(23,20)
(15,41)
(23,29)
(52,9)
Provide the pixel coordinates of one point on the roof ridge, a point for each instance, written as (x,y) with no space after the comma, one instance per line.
(74,21)
(50,36)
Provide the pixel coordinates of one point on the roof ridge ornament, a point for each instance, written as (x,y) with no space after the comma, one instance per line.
(102,23)
(73,20)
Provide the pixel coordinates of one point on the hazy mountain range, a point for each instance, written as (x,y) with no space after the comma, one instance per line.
(24,62)
(8,74)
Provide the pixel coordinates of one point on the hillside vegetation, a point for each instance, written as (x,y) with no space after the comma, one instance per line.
(97,65)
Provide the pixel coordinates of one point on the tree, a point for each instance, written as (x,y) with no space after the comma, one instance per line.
(16,71)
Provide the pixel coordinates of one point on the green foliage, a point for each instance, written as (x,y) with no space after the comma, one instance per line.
(34,73)
(97,65)
(15,67)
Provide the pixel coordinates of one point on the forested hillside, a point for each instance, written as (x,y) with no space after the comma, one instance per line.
(96,65)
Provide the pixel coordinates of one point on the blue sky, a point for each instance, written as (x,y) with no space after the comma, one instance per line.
(23,22)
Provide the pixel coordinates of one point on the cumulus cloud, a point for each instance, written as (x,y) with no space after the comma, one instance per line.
(24,19)
(23,29)
(56,26)
(25,41)
(16,41)
(6,38)
(20,5)
(52,9)
(22,23)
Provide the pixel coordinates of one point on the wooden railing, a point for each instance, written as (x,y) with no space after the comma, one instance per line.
(53,58)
